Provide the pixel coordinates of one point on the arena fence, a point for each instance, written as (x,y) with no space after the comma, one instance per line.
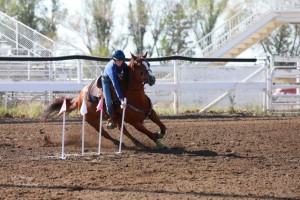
(284,84)
(17,38)
(183,84)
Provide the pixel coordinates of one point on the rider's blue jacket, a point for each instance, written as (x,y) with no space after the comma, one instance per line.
(115,74)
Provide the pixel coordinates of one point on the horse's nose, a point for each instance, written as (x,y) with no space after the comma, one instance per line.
(152,80)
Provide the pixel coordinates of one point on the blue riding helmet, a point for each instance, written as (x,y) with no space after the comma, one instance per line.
(118,55)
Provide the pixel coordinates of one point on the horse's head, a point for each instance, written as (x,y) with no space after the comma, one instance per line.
(142,66)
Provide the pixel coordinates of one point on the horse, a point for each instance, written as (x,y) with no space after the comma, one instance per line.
(138,108)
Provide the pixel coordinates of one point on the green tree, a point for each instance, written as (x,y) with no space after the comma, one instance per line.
(5,6)
(102,19)
(204,15)
(176,25)
(138,17)
(34,14)
(50,21)
(94,27)
(157,24)
(295,48)
(285,40)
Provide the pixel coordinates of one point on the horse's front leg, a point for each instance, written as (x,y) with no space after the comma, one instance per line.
(140,127)
(154,118)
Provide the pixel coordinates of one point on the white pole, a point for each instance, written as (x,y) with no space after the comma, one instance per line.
(83,111)
(122,126)
(297,82)
(175,72)
(6,100)
(63,138)
(175,92)
(79,71)
(270,83)
(175,101)
(82,150)
(100,132)
(28,67)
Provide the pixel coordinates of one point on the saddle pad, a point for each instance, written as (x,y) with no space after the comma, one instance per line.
(94,93)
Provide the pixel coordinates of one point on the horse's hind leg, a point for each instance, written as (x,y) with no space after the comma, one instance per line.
(154,117)
(104,133)
(133,140)
(107,136)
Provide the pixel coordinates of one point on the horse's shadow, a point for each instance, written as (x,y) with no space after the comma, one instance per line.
(183,151)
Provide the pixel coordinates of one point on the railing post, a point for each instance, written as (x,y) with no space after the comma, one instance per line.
(6,100)
(79,71)
(298,82)
(17,35)
(265,91)
(50,70)
(175,92)
(50,97)
(269,83)
(28,66)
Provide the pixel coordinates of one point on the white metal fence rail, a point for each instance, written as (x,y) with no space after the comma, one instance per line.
(179,88)
(183,87)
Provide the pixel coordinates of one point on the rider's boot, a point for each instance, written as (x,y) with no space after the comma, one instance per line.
(111,121)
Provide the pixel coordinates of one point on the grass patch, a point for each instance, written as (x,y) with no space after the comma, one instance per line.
(30,110)
(34,110)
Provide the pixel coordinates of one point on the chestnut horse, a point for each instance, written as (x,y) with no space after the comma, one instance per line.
(139,106)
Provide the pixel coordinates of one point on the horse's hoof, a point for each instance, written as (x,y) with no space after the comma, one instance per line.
(160,145)
(139,144)
(159,135)
(117,143)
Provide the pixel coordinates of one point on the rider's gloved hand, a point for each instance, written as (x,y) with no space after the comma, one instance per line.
(123,103)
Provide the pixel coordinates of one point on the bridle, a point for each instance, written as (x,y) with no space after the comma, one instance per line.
(150,79)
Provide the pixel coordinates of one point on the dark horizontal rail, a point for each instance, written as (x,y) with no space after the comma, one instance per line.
(94,58)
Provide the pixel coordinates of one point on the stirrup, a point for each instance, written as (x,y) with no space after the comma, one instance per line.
(110,125)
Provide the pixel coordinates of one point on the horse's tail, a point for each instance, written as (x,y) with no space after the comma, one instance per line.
(54,108)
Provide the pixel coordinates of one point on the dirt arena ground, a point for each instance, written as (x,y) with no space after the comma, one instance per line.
(208,158)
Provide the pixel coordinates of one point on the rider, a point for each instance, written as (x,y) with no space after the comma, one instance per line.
(113,74)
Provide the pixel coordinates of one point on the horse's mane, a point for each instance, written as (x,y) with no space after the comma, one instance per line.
(125,80)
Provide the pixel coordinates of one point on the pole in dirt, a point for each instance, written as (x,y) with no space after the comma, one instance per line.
(123,106)
(83,111)
(100,107)
(63,110)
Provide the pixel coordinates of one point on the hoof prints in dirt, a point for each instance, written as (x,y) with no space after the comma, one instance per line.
(207,158)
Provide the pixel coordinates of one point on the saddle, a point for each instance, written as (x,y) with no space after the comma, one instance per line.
(95,91)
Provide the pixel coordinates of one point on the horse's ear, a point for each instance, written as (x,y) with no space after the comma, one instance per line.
(132,56)
(145,54)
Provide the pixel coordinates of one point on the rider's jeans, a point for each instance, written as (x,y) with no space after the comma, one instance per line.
(107,95)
